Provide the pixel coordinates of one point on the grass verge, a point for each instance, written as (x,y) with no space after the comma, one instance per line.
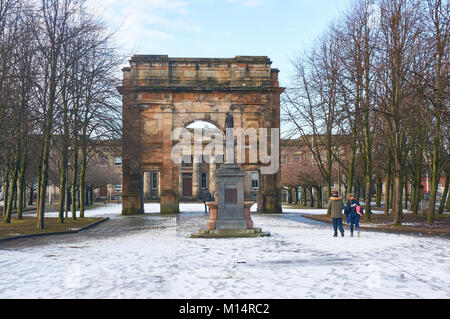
(410,224)
(28,226)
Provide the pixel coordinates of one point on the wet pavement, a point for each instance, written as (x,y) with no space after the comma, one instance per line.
(116,226)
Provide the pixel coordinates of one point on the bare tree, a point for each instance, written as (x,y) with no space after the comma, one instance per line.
(400,30)
(359,33)
(438,35)
(312,105)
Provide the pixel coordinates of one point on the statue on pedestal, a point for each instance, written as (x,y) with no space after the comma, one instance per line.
(230,214)
(229,121)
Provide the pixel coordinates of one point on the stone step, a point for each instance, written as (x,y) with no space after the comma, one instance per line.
(230,233)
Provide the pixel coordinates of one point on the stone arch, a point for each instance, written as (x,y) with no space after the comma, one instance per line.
(204,118)
(160,94)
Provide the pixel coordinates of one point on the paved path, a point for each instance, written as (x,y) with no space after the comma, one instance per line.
(116,226)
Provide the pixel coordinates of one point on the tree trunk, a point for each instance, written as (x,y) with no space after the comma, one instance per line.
(447,206)
(15,192)
(351,169)
(433,192)
(444,194)
(47,136)
(12,191)
(65,152)
(358,189)
(397,200)
(406,191)
(74,177)
(368,211)
(440,87)
(30,199)
(319,197)
(414,200)
(417,193)
(42,192)
(392,194)
(379,190)
(304,196)
(22,186)
(5,191)
(387,191)
(328,195)
(62,188)
(387,196)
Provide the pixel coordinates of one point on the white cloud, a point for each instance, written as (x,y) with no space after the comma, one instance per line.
(145,24)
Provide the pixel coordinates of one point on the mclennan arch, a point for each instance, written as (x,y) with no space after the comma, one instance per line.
(160,94)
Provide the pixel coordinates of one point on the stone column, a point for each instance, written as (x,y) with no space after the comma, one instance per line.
(170,194)
(271,183)
(159,184)
(195,177)
(146,185)
(259,196)
(132,202)
(180,179)
(212,179)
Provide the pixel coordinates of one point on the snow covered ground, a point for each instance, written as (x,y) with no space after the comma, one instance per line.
(152,256)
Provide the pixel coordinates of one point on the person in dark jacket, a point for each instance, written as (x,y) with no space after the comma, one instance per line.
(353,216)
(346,212)
(207,198)
(336,205)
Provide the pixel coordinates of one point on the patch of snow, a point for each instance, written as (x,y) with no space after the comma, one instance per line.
(298,260)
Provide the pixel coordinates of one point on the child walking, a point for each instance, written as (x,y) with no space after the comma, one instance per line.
(353,214)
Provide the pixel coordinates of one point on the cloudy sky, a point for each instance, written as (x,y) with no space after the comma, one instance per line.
(278,29)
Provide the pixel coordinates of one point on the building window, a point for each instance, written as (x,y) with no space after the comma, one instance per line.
(117,187)
(154,180)
(203,180)
(298,157)
(283,160)
(118,161)
(255,180)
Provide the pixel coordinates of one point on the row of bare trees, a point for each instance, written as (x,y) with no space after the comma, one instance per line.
(379,76)
(58,77)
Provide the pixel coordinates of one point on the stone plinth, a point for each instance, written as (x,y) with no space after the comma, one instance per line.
(230,215)
(247,216)
(230,233)
(213,206)
(230,182)
(212,215)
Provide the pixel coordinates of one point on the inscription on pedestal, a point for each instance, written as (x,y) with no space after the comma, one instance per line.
(231,196)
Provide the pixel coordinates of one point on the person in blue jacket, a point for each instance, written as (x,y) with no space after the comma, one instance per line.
(352,215)
(207,197)
(346,212)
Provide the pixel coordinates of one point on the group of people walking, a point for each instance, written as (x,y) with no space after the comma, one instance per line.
(352,210)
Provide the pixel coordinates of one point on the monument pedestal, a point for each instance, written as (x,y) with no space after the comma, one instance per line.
(230,215)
